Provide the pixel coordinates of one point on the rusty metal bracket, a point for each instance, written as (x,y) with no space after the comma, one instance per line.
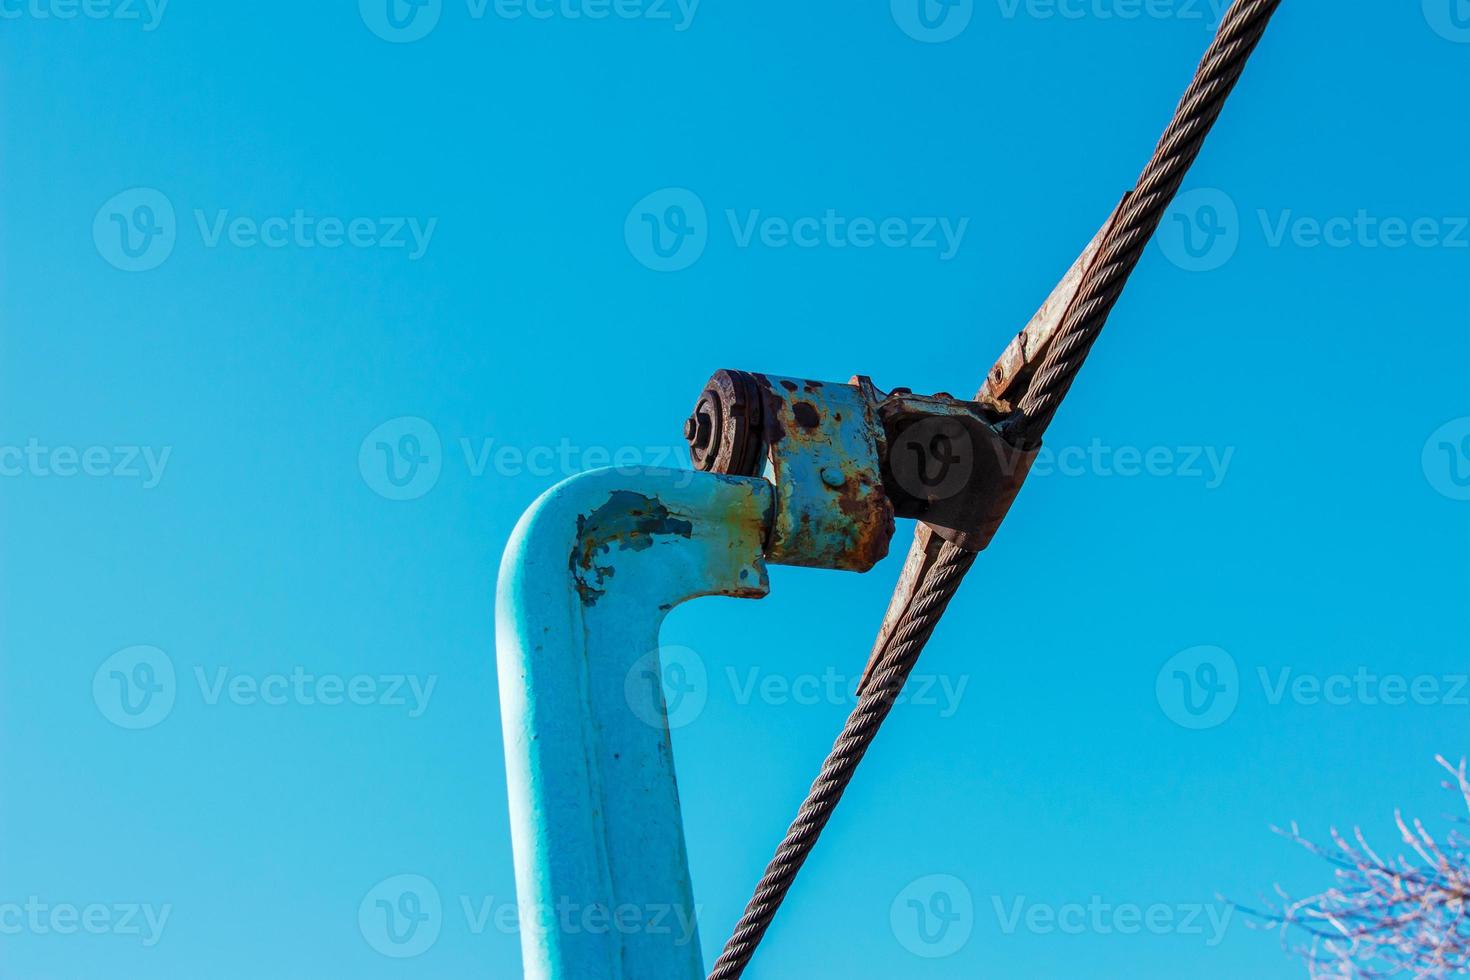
(846,459)
(947,465)
(820,444)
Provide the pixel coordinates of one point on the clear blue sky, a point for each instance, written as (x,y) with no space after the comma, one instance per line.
(340,226)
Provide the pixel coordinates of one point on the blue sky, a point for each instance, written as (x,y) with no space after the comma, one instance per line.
(239,240)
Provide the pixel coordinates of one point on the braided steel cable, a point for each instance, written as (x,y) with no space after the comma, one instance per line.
(1104,280)
(857,734)
(1102,284)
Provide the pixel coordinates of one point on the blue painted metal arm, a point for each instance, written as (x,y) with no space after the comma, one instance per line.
(589,574)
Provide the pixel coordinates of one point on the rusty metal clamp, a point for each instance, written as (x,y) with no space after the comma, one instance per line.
(847,459)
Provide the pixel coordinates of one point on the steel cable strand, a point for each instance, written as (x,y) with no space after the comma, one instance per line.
(837,771)
(1220,69)
(1103,283)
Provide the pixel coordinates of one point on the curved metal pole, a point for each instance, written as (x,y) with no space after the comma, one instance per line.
(589,574)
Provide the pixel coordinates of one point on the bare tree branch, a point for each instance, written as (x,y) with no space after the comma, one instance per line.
(1404,917)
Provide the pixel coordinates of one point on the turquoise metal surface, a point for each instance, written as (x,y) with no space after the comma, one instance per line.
(590,572)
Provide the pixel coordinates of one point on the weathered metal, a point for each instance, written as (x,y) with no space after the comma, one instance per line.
(724,430)
(589,574)
(822,443)
(848,458)
(947,465)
